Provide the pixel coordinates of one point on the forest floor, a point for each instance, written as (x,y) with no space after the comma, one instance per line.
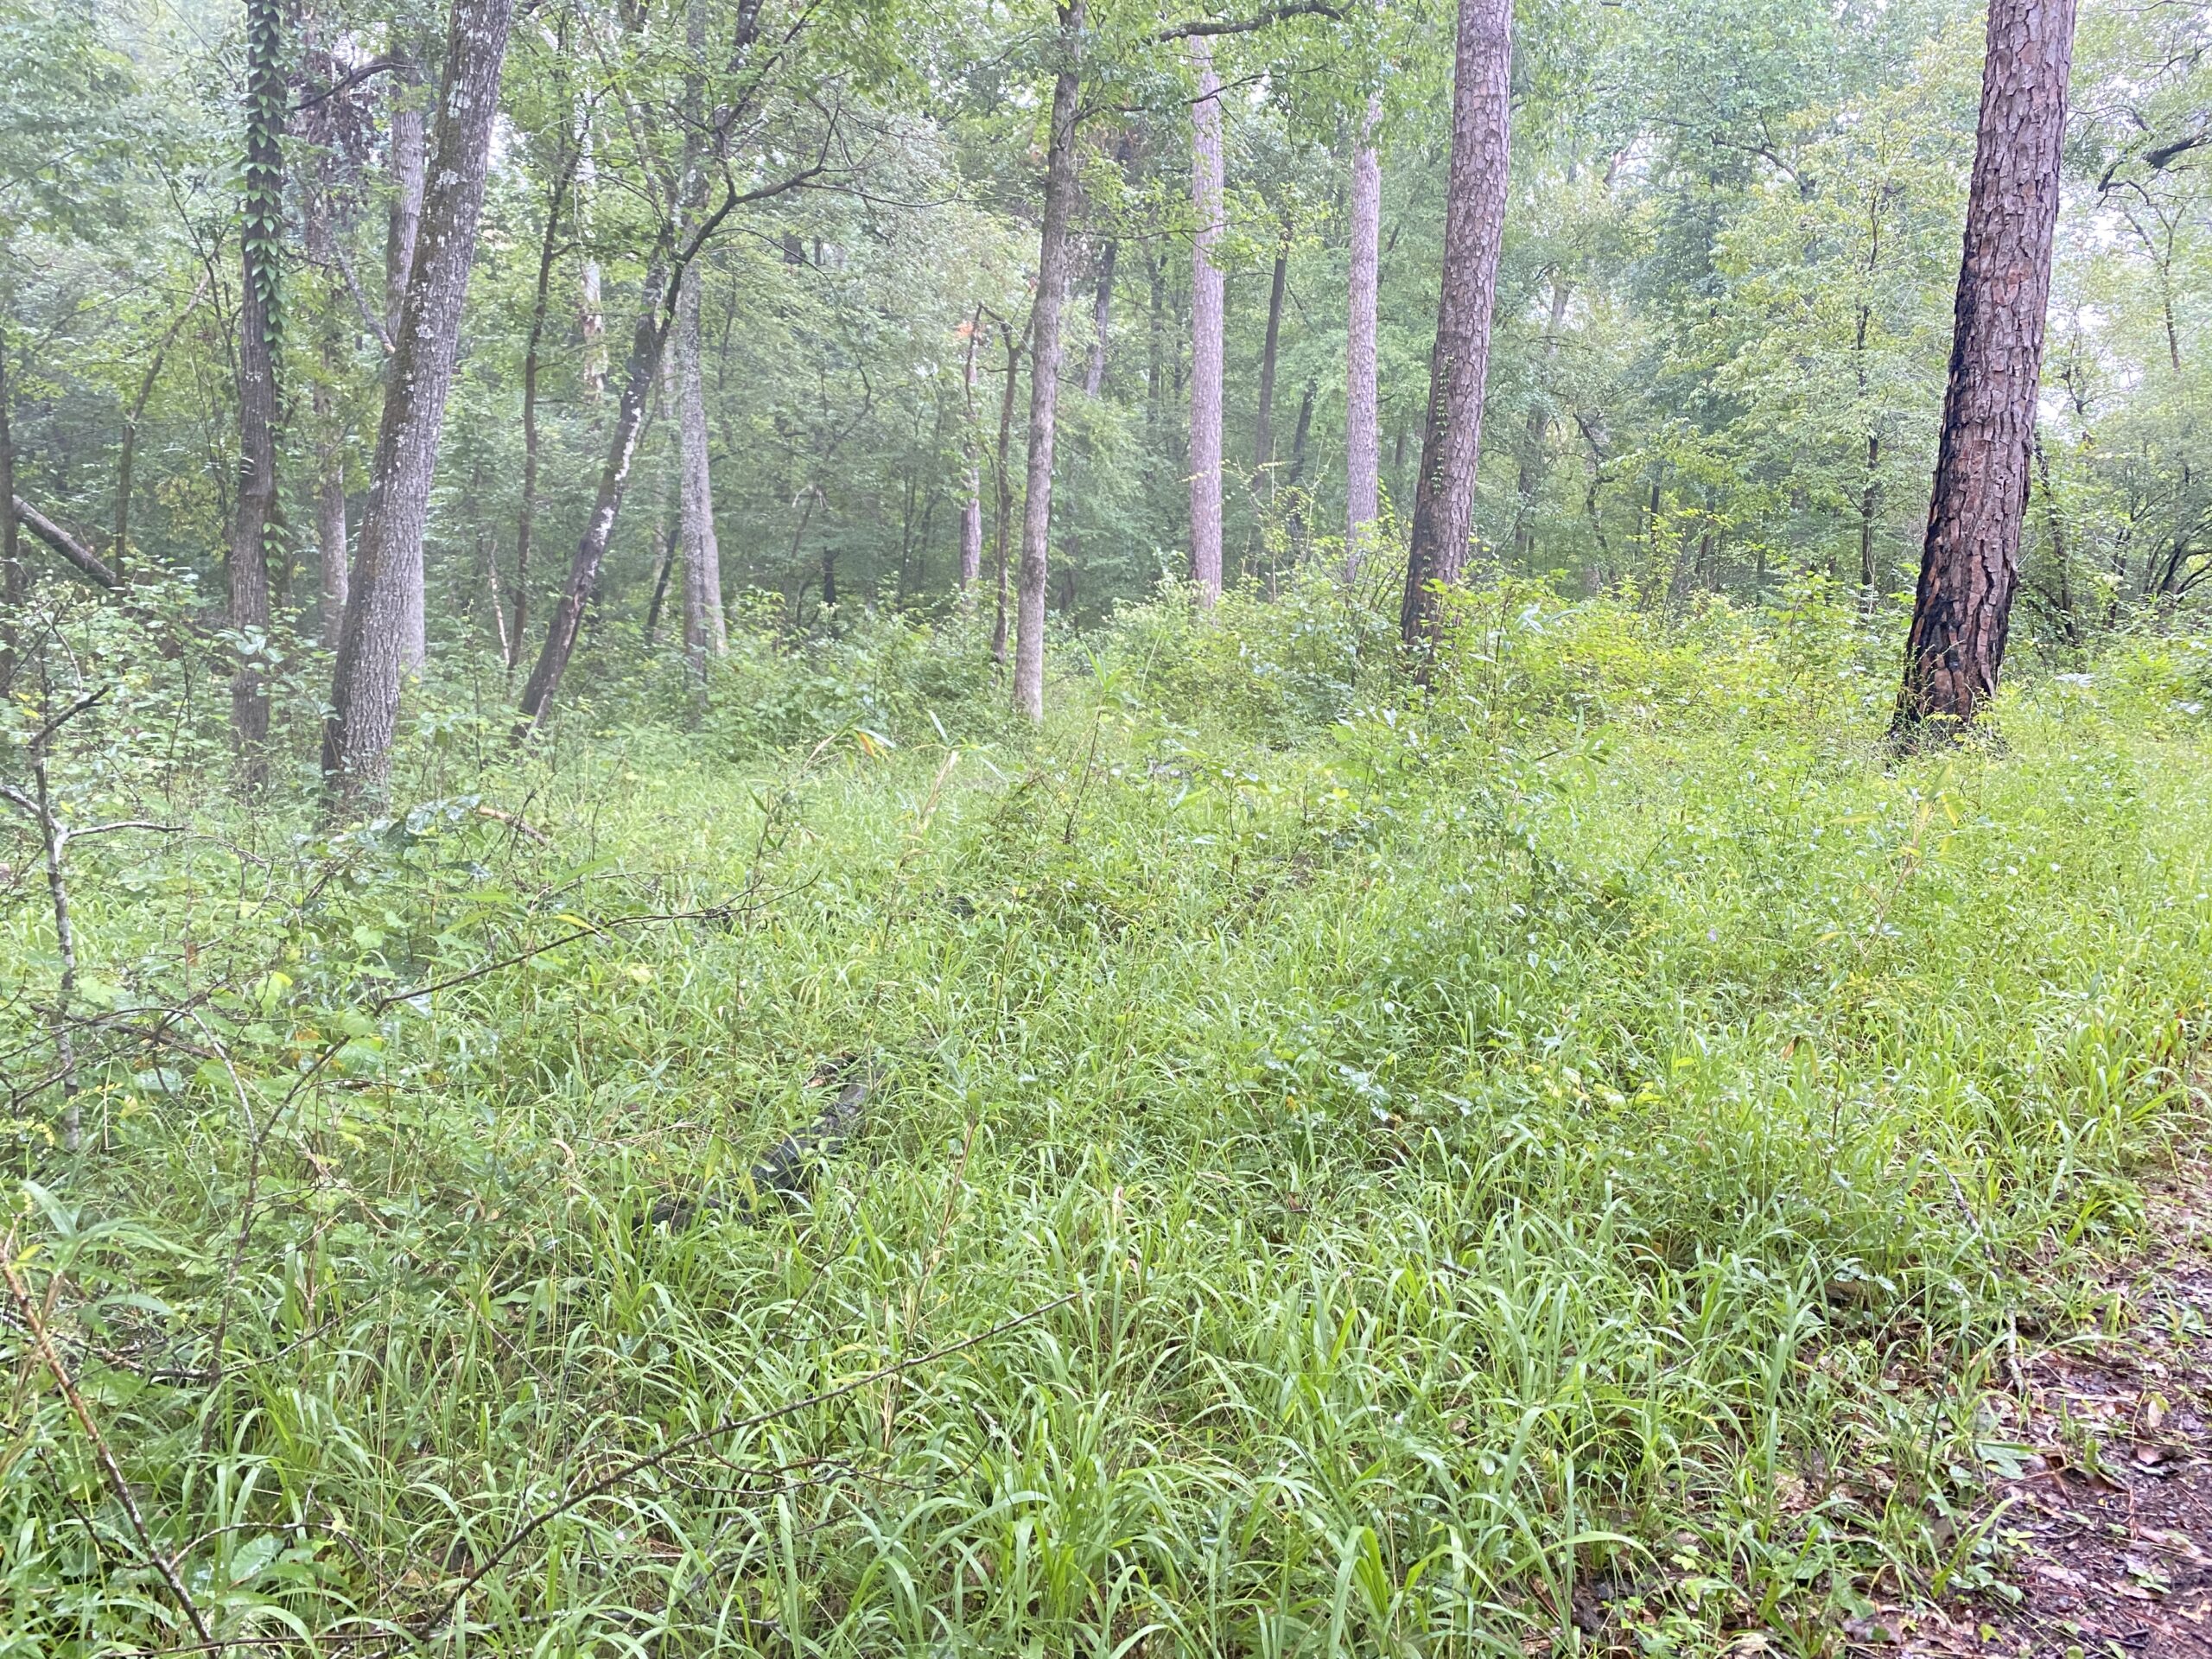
(2108,1525)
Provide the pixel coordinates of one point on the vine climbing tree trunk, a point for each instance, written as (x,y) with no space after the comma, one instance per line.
(1970,563)
(365,684)
(260,245)
(1362,427)
(1044,366)
(1474,223)
(1207,185)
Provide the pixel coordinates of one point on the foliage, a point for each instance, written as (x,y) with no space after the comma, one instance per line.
(1597,1124)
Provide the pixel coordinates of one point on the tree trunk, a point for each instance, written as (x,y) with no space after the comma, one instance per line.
(971,509)
(409,162)
(646,341)
(364,687)
(330,518)
(1474,220)
(1263,443)
(1533,466)
(14,584)
(1102,317)
(1044,367)
(1362,427)
(1004,527)
(120,553)
(1207,185)
(526,520)
(1970,561)
(706,632)
(260,253)
(1870,497)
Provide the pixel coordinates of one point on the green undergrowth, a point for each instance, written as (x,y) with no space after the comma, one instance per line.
(1558,1162)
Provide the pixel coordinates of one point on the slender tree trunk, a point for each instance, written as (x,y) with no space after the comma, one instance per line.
(2067,618)
(1363,429)
(705,630)
(364,687)
(411,124)
(671,544)
(1870,498)
(260,252)
(1263,443)
(121,552)
(1044,366)
(646,341)
(971,507)
(1003,530)
(1474,222)
(591,315)
(14,583)
(1207,186)
(526,520)
(1970,562)
(1102,317)
(330,517)
(1533,465)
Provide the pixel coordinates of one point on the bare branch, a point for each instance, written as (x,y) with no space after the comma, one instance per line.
(1265,19)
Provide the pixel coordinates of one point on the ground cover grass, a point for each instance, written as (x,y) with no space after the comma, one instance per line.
(1562,1160)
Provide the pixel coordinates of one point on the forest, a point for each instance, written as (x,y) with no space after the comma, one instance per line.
(1108,827)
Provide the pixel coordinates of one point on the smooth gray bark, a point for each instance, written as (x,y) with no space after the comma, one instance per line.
(1207,297)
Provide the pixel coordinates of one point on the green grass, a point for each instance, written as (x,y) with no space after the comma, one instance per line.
(1600,1130)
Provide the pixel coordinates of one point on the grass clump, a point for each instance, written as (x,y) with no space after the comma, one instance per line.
(1432,1176)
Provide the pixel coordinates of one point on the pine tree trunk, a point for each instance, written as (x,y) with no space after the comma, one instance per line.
(1263,442)
(365,689)
(1474,222)
(260,252)
(705,630)
(1044,367)
(1362,427)
(1207,186)
(1970,561)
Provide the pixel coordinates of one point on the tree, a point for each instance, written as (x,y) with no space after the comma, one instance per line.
(260,253)
(365,681)
(1044,364)
(705,630)
(1970,562)
(1207,186)
(1363,431)
(1474,225)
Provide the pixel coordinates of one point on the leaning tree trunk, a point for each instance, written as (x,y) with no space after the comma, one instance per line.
(364,686)
(260,250)
(1970,563)
(1207,185)
(1045,368)
(1362,427)
(705,633)
(1474,222)
(646,342)
(411,124)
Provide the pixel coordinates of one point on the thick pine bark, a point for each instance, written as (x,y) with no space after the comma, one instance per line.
(1045,368)
(705,632)
(1970,562)
(1362,427)
(1474,223)
(1263,441)
(1207,186)
(259,255)
(365,689)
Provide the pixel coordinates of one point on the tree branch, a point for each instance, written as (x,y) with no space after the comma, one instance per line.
(88,564)
(1265,19)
